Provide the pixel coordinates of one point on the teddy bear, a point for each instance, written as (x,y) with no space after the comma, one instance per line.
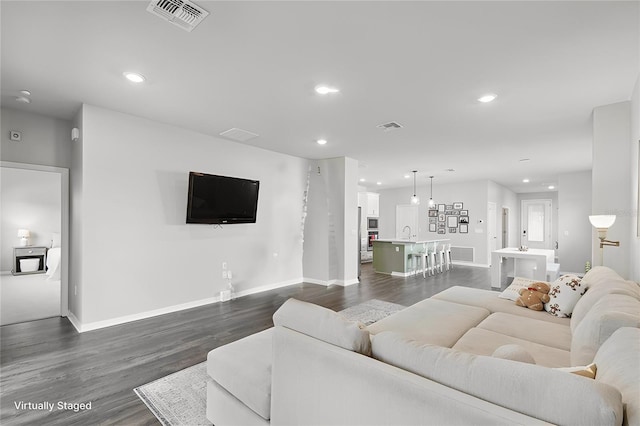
(534,297)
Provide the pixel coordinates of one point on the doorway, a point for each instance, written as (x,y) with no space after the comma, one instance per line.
(34,198)
(535,224)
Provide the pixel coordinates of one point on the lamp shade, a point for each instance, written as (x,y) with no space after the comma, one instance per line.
(23,233)
(602,221)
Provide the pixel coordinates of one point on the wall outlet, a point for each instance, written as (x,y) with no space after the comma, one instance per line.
(224,265)
(229,275)
(225,295)
(224,274)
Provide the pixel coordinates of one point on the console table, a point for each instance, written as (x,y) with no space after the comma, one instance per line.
(529,264)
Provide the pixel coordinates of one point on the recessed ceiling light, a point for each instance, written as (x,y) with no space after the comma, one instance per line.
(134,77)
(325,90)
(487,98)
(361,179)
(321,141)
(551,187)
(407,176)
(25,93)
(378,183)
(23,99)
(525,180)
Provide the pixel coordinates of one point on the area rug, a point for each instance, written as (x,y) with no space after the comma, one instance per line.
(180,399)
(371,311)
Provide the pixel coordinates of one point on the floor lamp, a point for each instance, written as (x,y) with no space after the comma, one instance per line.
(602,223)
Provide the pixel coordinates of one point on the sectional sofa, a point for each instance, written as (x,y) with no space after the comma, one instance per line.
(464,356)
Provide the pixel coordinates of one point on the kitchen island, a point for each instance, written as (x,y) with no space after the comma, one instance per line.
(395,256)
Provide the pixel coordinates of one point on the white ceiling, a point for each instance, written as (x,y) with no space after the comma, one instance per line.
(254,66)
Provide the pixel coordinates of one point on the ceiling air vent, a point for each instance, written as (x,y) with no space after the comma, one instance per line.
(181,13)
(387,127)
(238,135)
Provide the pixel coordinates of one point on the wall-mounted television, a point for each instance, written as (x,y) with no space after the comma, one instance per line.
(217,199)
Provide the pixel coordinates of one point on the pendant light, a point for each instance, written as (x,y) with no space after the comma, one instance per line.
(414,199)
(431,202)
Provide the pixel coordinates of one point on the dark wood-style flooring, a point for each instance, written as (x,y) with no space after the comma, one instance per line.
(48,360)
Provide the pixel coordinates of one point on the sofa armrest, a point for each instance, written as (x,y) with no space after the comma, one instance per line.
(314,382)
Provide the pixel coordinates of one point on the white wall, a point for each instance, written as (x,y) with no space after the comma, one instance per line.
(505,198)
(30,200)
(611,181)
(138,256)
(45,141)
(634,238)
(574,228)
(331,230)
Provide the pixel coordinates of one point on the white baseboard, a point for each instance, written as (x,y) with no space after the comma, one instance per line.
(74,321)
(327,283)
(475,265)
(170,309)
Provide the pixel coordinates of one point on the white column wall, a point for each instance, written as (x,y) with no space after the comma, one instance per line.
(574,228)
(611,181)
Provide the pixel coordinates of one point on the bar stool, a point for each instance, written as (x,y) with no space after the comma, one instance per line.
(447,256)
(429,260)
(440,257)
(416,256)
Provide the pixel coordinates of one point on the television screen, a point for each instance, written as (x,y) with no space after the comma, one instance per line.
(221,199)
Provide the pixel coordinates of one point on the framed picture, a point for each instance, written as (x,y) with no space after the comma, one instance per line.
(432,220)
(441,217)
(457,206)
(442,225)
(464,219)
(452,230)
(432,227)
(448,207)
(464,228)
(452,222)
(441,208)
(442,231)
(464,212)
(433,213)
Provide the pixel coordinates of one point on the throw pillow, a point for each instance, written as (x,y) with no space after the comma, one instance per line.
(564,294)
(513,291)
(588,371)
(514,353)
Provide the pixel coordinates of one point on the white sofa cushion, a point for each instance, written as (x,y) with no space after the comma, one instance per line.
(532,330)
(432,321)
(243,368)
(618,362)
(324,324)
(603,319)
(599,282)
(484,342)
(488,299)
(530,389)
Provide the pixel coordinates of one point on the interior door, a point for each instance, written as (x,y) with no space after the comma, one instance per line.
(505,227)
(406,222)
(535,224)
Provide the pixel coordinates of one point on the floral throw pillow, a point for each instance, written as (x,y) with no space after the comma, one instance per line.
(564,294)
